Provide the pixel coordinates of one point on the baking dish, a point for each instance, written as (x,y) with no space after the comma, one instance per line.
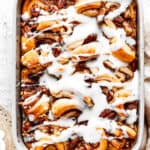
(16,87)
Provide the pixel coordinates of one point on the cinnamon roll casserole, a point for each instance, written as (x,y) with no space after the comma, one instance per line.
(79,74)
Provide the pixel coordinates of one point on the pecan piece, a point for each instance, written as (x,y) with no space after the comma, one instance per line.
(34,12)
(81,67)
(89,79)
(125,70)
(90,38)
(48,38)
(109,94)
(72,113)
(108,113)
(119,21)
(61,4)
(120,76)
(88,101)
(25,29)
(56,51)
(134,65)
(131,105)
(108,64)
(124,74)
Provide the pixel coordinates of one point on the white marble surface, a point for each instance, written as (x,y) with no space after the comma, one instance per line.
(6,51)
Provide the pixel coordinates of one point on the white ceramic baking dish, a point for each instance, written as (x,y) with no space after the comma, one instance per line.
(16,113)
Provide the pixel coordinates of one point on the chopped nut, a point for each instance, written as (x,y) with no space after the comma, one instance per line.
(88,101)
(47,38)
(131,105)
(90,38)
(120,76)
(109,94)
(89,80)
(81,67)
(56,51)
(119,21)
(61,3)
(134,65)
(35,13)
(108,113)
(127,72)
(25,29)
(108,64)
(72,113)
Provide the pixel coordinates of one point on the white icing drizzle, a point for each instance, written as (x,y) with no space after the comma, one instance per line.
(63,122)
(132,116)
(130,41)
(25,16)
(31,98)
(50,115)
